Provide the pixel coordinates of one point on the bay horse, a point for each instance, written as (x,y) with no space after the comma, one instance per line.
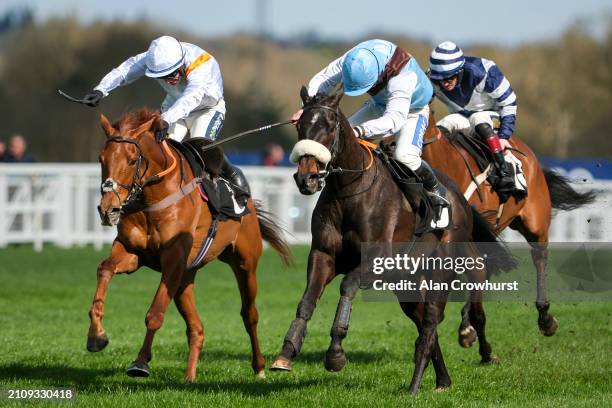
(362,204)
(166,234)
(530,216)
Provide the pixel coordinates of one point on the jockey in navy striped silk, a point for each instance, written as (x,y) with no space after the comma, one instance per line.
(480,100)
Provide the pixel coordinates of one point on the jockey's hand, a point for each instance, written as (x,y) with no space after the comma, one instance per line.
(505,144)
(296,116)
(93,98)
(162,133)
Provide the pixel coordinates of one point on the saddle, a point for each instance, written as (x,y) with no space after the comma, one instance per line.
(410,184)
(214,189)
(483,157)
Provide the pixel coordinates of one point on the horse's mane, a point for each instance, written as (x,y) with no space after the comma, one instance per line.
(132,120)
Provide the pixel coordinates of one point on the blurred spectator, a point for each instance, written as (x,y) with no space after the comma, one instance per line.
(17,151)
(274,155)
(2,151)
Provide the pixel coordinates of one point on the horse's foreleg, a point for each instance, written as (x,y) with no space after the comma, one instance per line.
(546,322)
(425,346)
(119,261)
(335,359)
(173,265)
(185,303)
(321,271)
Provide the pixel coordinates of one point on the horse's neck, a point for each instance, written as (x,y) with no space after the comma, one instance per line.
(350,154)
(158,162)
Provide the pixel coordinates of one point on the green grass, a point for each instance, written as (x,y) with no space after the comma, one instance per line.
(45,298)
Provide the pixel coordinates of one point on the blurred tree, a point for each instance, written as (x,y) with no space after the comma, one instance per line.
(563,85)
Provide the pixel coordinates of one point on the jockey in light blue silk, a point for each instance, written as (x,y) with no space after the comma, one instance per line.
(400,93)
(480,101)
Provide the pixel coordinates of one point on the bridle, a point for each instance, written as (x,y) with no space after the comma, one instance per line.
(330,168)
(111,186)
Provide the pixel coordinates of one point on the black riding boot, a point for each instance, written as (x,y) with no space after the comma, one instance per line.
(437,192)
(235,176)
(505,170)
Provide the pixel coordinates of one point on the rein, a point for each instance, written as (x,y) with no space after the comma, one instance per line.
(110,185)
(329,168)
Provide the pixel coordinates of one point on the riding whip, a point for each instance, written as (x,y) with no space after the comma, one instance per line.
(246,132)
(70,98)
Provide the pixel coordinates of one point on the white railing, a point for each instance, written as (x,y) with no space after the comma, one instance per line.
(56,203)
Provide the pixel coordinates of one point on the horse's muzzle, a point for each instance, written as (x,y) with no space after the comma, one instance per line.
(308,183)
(109,217)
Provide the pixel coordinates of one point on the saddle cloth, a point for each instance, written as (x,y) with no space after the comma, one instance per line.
(410,184)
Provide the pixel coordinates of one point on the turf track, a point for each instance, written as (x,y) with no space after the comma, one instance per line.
(45,298)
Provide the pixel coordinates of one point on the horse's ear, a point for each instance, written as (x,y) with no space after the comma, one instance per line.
(304,95)
(106,125)
(143,128)
(335,97)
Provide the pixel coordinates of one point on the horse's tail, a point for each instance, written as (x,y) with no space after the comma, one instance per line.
(562,195)
(499,258)
(272,233)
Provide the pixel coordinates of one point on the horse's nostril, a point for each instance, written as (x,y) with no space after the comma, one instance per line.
(115,210)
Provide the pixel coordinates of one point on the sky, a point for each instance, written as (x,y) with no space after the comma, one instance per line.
(507,23)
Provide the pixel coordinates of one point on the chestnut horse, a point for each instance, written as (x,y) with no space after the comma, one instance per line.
(359,204)
(162,222)
(530,216)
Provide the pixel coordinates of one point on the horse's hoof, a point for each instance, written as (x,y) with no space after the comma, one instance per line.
(491,360)
(467,337)
(551,329)
(261,375)
(335,363)
(95,344)
(442,388)
(281,364)
(138,369)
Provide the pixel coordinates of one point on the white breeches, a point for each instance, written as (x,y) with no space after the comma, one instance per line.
(409,139)
(201,123)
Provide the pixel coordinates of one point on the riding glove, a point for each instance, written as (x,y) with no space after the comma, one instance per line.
(93,98)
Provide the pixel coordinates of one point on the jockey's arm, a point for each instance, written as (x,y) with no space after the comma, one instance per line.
(500,90)
(400,90)
(195,92)
(327,78)
(129,71)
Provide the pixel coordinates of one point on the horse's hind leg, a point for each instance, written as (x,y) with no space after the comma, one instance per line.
(537,236)
(467,333)
(185,303)
(320,272)
(479,320)
(119,261)
(335,359)
(244,265)
(415,312)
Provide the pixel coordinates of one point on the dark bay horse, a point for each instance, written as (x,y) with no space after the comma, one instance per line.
(166,234)
(530,216)
(363,204)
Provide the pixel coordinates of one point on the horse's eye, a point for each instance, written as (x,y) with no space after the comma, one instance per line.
(132,162)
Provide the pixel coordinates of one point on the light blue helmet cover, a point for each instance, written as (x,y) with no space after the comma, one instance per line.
(363,65)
